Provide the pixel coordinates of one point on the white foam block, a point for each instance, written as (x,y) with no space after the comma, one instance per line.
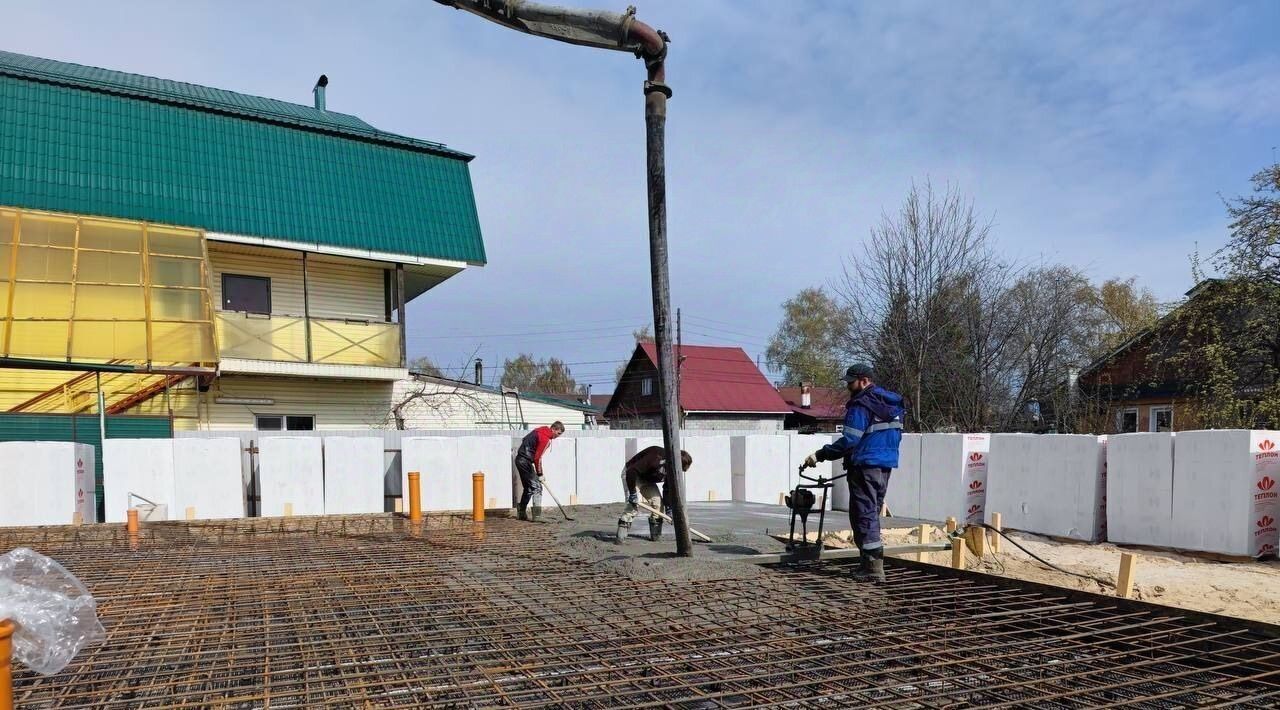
(953,476)
(490,455)
(86,500)
(40,483)
(760,464)
(599,469)
(353,474)
(560,469)
(903,497)
(636,444)
(1226,491)
(435,459)
(291,471)
(207,477)
(1139,502)
(1048,484)
(136,466)
(711,476)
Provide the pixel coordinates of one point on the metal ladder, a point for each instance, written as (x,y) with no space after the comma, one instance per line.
(519,408)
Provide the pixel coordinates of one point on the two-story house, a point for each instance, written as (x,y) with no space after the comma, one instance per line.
(232,261)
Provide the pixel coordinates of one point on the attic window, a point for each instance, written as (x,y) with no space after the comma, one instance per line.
(646,387)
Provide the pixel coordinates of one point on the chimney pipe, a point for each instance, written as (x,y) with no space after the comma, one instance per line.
(805,398)
(479,371)
(318,91)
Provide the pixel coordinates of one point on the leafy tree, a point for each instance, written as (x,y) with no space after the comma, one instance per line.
(528,374)
(806,346)
(1253,251)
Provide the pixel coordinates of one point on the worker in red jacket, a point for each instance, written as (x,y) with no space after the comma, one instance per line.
(529,466)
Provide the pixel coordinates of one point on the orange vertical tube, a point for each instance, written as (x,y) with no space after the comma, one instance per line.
(6,666)
(132,517)
(477,496)
(415,497)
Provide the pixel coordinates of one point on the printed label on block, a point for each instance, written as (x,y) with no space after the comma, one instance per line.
(977,448)
(1102,488)
(1266,493)
(86,498)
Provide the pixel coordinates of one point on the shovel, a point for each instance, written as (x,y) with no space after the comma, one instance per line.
(653,511)
(554,498)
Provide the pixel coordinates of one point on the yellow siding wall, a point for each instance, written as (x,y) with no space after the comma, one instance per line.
(338,289)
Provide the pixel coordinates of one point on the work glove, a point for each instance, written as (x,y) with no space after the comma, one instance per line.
(632,498)
(811,461)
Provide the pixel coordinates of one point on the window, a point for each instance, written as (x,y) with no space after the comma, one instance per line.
(646,387)
(1127,421)
(1161,419)
(285,422)
(250,294)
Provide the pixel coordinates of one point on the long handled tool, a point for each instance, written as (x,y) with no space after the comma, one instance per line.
(554,498)
(654,511)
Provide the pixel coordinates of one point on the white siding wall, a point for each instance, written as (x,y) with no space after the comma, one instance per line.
(337,289)
(441,406)
(336,404)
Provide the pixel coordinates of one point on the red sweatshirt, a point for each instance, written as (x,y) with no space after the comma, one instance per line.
(535,444)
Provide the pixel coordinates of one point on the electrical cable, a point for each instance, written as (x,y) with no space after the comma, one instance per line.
(1046,563)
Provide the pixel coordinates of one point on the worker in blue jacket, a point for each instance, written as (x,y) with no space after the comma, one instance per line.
(869,450)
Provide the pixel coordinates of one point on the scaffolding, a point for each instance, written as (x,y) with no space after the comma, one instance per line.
(372,611)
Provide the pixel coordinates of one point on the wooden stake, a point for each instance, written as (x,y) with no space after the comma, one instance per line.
(573,499)
(951,525)
(926,532)
(77,518)
(711,496)
(957,553)
(782,499)
(288,510)
(978,538)
(399,505)
(995,536)
(1124,583)
(493,503)
(191,513)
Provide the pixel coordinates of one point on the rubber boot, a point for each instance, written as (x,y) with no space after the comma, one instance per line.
(522,514)
(655,530)
(872,567)
(624,529)
(535,507)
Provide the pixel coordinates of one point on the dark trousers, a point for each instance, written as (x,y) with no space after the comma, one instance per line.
(529,482)
(867,488)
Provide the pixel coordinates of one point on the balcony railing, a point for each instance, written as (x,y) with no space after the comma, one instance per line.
(284,339)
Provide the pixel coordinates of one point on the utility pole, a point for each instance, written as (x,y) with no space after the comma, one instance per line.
(623,32)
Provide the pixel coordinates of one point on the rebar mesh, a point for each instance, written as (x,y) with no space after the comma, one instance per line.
(372,612)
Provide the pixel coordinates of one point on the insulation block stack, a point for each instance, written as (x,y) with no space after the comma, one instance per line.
(490,455)
(559,467)
(142,467)
(711,476)
(598,469)
(46,483)
(760,464)
(208,476)
(953,476)
(1139,503)
(1051,485)
(903,498)
(1226,491)
(353,475)
(446,464)
(291,475)
(801,446)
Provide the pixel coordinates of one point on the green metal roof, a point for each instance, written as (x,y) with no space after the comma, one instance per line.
(93,141)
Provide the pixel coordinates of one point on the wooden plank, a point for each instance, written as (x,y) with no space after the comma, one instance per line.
(926,531)
(1124,583)
(957,554)
(951,525)
(995,536)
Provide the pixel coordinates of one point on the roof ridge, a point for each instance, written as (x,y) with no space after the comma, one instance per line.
(207,98)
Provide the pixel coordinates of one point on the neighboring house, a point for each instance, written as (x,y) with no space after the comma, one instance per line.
(1133,388)
(815,409)
(231,261)
(426,402)
(600,402)
(720,388)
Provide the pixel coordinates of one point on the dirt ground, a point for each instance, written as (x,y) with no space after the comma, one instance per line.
(1248,590)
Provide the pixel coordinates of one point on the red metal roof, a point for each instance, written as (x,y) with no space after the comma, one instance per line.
(721,379)
(824,402)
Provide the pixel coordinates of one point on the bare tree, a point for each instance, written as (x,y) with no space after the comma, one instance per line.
(438,395)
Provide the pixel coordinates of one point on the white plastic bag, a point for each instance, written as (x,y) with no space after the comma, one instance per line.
(56,616)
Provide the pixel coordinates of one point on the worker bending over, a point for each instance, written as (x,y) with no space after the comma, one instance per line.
(529,466)
(869,451)
(645,471)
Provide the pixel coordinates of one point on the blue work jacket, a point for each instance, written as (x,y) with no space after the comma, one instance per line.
(872,430)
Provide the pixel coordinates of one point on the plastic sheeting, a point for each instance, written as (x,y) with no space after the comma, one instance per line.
(953,476)
(207,477)
(353,475)
(760,466)
(1139,501)
(290,472)
(598,470)
(1050,484)
(137,466)
(1226,491)
(55,615)
(46,483)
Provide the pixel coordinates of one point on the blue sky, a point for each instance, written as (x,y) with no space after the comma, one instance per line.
(1097,134)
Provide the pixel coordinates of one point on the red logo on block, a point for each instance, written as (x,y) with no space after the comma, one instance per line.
(1266,549)
(975,485)
(1266,445)
(1267,483)
(973,509)
(1266,521)
(975,456)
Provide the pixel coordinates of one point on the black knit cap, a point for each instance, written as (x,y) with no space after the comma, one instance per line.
(857,371)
